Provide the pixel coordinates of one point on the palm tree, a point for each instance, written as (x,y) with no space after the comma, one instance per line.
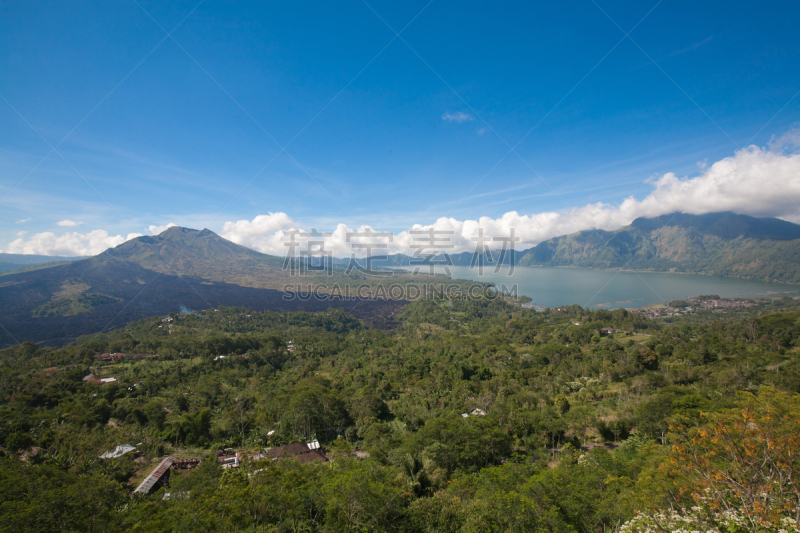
(417,478)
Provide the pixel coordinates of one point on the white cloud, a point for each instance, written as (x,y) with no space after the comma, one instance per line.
(259,233)
(788,142)
(68,223)
(755,181)
(155,230)
(23,220)
(458,116)
(69,244)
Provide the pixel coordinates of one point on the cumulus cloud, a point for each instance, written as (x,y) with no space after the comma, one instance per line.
(458,116)
(260,233)
(23,220)
(755,181)
(68,223)
(155,230)
(69,244)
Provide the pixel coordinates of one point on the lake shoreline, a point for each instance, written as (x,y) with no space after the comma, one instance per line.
(617,288)
(640,271)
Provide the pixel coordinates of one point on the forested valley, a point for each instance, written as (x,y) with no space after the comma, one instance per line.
(474,415)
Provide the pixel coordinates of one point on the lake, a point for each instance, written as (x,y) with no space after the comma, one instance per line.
(552,286)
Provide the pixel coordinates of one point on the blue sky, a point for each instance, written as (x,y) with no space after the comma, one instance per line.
(378,130)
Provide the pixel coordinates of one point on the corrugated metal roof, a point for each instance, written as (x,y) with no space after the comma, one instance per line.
(155,476)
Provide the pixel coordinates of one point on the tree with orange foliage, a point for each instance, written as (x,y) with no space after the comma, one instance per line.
(745,460)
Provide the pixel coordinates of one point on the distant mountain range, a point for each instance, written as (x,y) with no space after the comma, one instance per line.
(10,262)
(721,244)
(185,268)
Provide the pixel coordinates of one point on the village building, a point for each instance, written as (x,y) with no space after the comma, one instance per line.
(297,450)
(159,476)
(229,461)
(103,381)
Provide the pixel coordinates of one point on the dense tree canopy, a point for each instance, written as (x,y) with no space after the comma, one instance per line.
(476,414)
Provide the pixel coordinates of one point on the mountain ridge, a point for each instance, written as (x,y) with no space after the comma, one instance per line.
(721,244)
(201,253)
(13,262)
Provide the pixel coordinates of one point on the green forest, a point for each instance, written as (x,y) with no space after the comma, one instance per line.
(475,415)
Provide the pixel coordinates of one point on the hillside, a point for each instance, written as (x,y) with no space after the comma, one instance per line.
(178,269)
(200,253)
(506,419)
(721,244)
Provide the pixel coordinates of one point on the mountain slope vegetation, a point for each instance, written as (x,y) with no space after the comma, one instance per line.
(721,244)
(201,254)
(506,419)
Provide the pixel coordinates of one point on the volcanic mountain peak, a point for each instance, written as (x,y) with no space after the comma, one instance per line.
(187,251)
